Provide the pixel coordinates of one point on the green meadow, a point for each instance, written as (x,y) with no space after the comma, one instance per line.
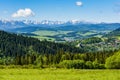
(50,33)
(58,74)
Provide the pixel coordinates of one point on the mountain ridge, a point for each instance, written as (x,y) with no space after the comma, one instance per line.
(9,25)
(72,30)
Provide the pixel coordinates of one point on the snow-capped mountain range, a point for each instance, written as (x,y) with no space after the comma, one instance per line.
(9,24)
(72,25)
(44,22)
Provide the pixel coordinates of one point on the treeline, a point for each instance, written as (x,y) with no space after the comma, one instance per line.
(61,59)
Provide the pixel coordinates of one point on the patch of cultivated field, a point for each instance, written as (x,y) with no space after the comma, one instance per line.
(86,34)
(58,74)
(118,37)
(43,38)
(50,33)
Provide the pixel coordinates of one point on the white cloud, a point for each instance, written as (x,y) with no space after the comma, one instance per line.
(79,3)
(23,13)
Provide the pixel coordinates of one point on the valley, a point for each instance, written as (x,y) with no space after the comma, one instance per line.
(81,46)
(59,40)
(89,53)
(58,31)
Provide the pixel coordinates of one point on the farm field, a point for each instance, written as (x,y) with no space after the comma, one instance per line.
(44,38)
(50,33)
(58,74)
(59,35)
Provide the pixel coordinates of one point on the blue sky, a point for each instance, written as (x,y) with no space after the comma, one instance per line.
(61,10)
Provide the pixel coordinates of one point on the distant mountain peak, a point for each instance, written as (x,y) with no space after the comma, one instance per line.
(44,22)
(12,24)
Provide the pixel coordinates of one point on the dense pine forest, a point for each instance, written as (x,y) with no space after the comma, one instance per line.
(17,50)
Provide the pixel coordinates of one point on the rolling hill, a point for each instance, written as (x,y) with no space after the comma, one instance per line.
(61,31)
(17,45)
(114,33)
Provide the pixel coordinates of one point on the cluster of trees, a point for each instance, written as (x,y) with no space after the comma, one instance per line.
(113,33)
(81,64)
(91,40)
(63,59)
(113,62)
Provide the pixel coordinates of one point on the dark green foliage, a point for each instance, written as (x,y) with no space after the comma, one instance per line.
(92,40)
(24,50)
(18,45)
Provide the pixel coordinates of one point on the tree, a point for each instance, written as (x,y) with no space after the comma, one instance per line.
(39,61)
(113,62)
(89,65)
(96,64)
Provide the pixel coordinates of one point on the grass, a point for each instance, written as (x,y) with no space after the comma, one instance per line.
(50,33)
(43,34)
(58,74)
(86,34)
(43,38)
(118,37)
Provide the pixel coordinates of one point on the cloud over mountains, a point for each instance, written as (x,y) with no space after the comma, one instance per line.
(23,13)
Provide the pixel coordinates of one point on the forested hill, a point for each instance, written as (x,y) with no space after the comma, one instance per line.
(114,33)
(17,45)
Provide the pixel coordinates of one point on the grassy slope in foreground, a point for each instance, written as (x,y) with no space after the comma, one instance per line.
(58,74)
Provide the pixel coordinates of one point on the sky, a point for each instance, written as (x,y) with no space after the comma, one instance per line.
(61,10)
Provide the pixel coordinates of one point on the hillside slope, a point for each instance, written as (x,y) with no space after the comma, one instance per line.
(115,33)
(17,45)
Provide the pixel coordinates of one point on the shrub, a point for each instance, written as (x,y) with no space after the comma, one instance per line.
(89,65)
(76,64)
(95,65)
(102,66)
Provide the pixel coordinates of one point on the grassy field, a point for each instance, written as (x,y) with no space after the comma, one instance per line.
(58,74)
(44,34)
(86,34)
(43,38)
(50,33)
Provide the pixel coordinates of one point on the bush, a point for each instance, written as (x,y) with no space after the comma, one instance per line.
(76,64)
(80,64)
(102,66)
(89,65)
(97,65)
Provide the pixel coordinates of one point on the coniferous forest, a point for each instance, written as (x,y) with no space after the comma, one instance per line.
(18,50)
